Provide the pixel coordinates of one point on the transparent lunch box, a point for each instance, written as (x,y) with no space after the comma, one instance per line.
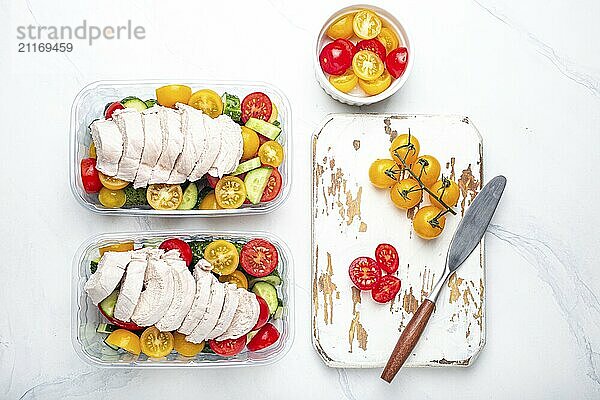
(90,346)
(89,105)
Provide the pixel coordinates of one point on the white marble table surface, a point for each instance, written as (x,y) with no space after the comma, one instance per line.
(528,75)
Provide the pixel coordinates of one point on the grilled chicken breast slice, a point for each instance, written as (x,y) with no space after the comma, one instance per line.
(203,278)
(129,122)
(108,141)
(107,276)
(153,146)
(131,285)
(170,122)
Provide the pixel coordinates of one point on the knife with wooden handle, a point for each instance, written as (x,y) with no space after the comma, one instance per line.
(471,229)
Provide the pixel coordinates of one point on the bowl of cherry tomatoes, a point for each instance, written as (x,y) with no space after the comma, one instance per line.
(362,55)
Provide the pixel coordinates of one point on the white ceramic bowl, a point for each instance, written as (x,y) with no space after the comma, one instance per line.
(356,97)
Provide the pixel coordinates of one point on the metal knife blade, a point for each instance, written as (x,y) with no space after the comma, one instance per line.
(474,223)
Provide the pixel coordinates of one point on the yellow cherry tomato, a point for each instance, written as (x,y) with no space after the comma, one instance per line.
(376,85)
(209,202)
(406,148)
(429,222)
(427,168)
(169,95)
(237,277)
(389,39)
(345,82)
(156,344)
(164,197)
(92,150)
(271,153)
(447,190)
(223,256)
(406,194)
(384,173)
(112,183)
(367,65)
(341,27)
(126,340)
(274,113)
(208,101)
(366,24)
(111,198)
(125,246)
(251,143)
(185,348)
(230,192)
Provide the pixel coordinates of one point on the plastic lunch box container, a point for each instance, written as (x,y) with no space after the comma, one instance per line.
(89,105)
(90,346)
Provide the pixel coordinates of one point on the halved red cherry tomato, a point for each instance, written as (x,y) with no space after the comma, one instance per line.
(266,336)
(212,181)
(256,105)
(130,326)
(335,58)
(387,257)
(373,45)
(112,108)
(273,186)
(396,61)
(89,176)
(348,44)
(259,258)
(185,252)
(228,347)
(364,272)
(263,317)
(262,139)
(386,289)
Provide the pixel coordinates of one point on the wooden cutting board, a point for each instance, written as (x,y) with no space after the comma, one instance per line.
(350,218)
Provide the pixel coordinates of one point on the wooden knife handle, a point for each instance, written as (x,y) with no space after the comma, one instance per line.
(408,340)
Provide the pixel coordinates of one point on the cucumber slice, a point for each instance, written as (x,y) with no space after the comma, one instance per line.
(274,279)
(115,348)
(232,106)
(108,304)
(278,313)
(264,128)
(94,265)
(268,293)
(134,102)
(190,197)
(246,166)
(106,328)
(202,194)
(150,103)
(256,182)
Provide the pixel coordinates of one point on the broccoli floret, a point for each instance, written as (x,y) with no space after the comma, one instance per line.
(135,197)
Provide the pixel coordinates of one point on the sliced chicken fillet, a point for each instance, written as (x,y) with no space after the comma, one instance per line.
(230,304)
(245,318)
(213,147)
(107,276)
(170,122)
(108,141)
(131,286)
(203,278)
(129,122)
(153,146)
(188,158)
(211,316)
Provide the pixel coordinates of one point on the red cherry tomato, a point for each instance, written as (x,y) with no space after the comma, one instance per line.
(263,317)
(130,326)
(266,336)
(386,289)
(273,186)
(387,257)
(396,61)
(259,258)
(373,45)
(256,105)
(348,44)
(335,58)
(89,176)
(212,181)
(228,347)
(185,252)
(262,139)
(112,108)
(364,272)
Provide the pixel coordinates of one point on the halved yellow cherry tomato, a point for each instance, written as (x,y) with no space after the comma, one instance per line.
(377,85)
(389,39)
(271,153)
(92,150)
(341,27)
(366,24)
(367,65)
(209,202)
(125,246)
(126,340)
(345,82)
(251,142)
(274,113)
(185,348)
(111,198)
(208,101)
(112,183)
(164,197)
(169,95)
(155,343)
(223,256)
(428,222)
(230,192)
(237,277)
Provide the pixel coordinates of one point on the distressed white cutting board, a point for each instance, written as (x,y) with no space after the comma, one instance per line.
(350,218)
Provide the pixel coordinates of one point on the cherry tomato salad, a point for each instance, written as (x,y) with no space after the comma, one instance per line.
(367,273)
(364,52)
(251,265)
(256,179)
